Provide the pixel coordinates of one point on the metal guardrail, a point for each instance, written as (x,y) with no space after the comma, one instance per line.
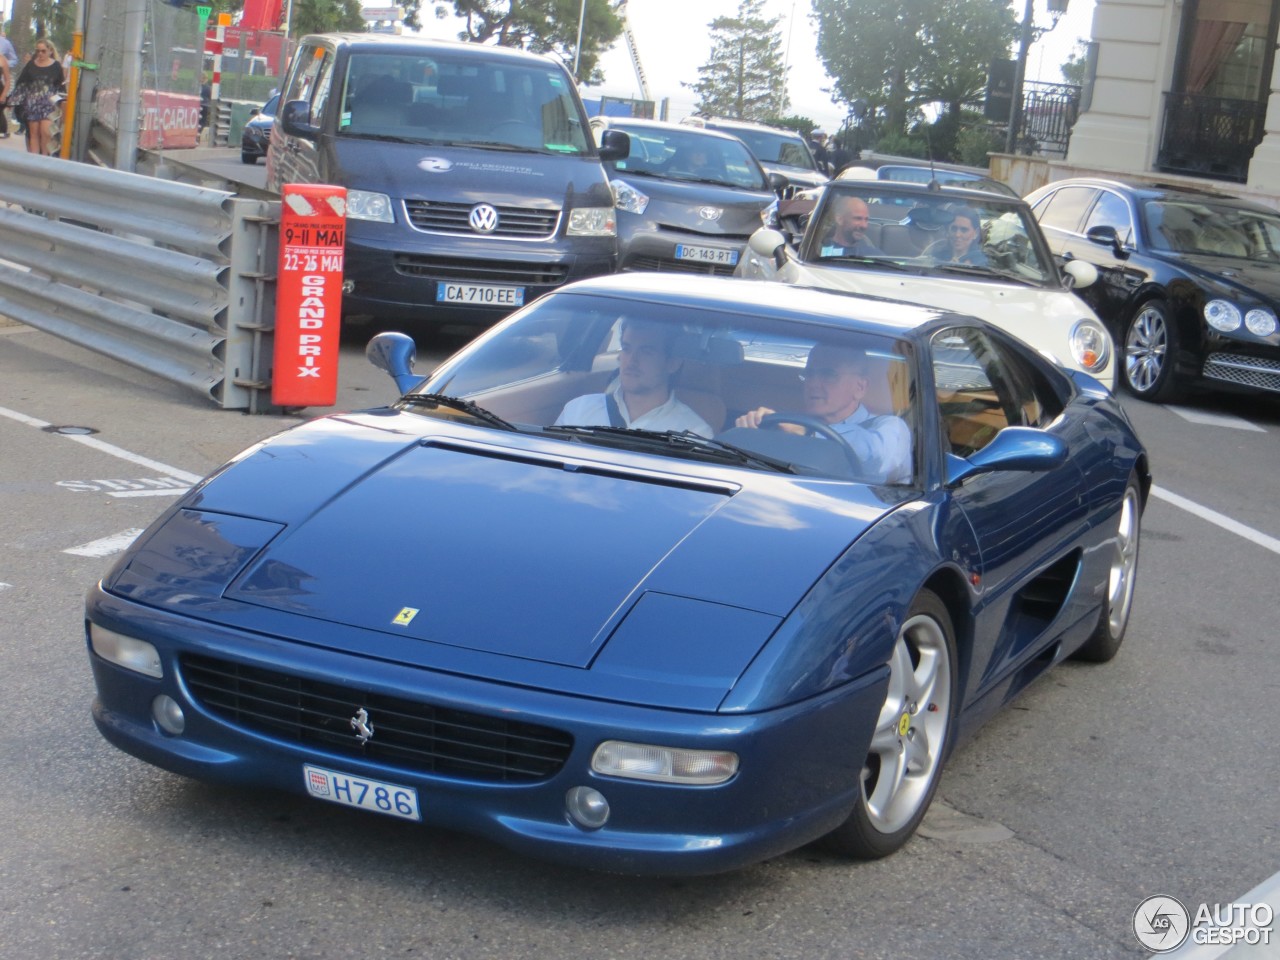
(174,279)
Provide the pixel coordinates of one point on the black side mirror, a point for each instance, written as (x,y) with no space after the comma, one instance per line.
(1107,237)
(295,119)
(614,145)
(778,182)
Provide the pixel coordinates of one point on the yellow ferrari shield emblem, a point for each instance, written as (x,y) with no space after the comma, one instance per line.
(405,617)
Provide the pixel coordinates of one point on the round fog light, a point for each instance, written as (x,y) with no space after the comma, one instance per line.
(348,286)
(587,807)
(166,712)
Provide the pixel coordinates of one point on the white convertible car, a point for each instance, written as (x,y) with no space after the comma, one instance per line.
(970,251)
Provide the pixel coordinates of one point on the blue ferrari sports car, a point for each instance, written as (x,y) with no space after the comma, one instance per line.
(662,574)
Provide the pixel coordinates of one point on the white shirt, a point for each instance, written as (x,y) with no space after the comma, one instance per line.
(592,410)
(883,447)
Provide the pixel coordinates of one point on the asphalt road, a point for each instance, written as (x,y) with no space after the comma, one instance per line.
(1103,785)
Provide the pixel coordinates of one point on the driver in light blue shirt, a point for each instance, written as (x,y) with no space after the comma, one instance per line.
(848,237)
(835,381)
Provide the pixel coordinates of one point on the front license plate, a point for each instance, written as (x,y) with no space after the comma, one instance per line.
(717,255)
(389,798)
(480,294)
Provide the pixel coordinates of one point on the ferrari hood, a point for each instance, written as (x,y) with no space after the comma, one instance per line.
(515,549)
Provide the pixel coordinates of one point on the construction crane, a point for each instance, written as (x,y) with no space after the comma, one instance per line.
(631,49)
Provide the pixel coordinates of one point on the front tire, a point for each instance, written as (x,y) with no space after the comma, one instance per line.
(251,158)
(912,736)
(1114,618)
(1151,352)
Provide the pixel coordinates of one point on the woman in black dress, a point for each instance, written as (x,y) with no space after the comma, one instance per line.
(37,94)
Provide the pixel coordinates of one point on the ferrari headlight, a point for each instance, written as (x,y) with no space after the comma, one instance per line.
(628,198)
(364,205)
(1222,315)
(1090,345)
(641,761)
(1261,323)
(592,222)
(128,652)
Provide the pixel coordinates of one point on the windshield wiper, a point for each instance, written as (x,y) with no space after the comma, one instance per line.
(685,440)
(500,145)
(457,403)
(386,137)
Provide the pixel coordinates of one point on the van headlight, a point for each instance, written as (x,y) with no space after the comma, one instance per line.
(364,205)
(1090,345)
(592,222)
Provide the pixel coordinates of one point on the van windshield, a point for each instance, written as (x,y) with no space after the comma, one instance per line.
(462,100)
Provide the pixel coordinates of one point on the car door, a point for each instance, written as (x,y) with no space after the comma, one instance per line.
(1026,522)
(294,159)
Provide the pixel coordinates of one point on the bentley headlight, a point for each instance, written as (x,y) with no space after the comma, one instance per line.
(1090,345)
(628,198)
(592,222)
(642,761)
(364,205)
(1222,315)
(1261,323)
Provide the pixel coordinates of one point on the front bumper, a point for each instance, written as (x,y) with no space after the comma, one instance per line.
(798,777)
(655,249)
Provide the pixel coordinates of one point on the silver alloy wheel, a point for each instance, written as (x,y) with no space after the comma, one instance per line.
(912,729)
(1145,349)
(1124,564)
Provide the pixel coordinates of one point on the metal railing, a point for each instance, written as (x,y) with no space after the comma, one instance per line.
(174,279)
(1049,111)
(1210,136)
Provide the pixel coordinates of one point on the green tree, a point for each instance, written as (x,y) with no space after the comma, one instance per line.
(901,54)
(744,77)
(20,27)
(543,26)
(324,16)
(1073,71)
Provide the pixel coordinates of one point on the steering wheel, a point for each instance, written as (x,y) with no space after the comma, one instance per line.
(813,427)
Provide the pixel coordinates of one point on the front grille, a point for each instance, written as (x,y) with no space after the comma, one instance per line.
(479,271)
(520,222)
(407,734)
(1246,371)
(677,266)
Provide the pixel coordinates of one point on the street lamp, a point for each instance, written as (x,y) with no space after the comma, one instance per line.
(1030,34)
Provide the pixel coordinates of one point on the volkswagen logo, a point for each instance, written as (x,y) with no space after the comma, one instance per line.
(484,218)
(362,725)
(710,213)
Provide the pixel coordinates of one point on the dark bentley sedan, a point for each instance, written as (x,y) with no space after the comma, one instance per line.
(257,132)
(1189,280)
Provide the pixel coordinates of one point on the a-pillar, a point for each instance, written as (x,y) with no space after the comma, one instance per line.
(1137,44)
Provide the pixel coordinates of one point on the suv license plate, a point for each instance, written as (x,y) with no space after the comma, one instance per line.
(716,255)
(389,798)
(480,294)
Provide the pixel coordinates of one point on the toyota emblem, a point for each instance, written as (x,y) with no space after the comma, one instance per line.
(484,218)
(710,213)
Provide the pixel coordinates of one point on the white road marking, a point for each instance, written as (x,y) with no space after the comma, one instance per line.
(1221,520)
(6,586)
(171,492)
(103,447)
(1214,419)
(107,545)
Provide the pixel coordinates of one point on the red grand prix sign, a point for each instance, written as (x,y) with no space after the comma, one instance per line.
(313,227)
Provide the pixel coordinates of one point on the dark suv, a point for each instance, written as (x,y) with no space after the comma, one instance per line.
(778,150)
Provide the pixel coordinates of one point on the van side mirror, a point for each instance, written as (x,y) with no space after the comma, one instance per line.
(614,145)
(295,119)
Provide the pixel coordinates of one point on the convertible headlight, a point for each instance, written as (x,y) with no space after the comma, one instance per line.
(592,222)
(1222,315)
(128,652)
(1261,323)
(363,205)
(641,761)
(1090,345)
(628,198)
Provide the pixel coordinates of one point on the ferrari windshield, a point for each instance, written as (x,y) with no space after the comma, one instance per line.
(465,100)
(691,383)
(1185,226)
(929,232)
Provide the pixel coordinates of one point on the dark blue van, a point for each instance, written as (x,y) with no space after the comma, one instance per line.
(473,182)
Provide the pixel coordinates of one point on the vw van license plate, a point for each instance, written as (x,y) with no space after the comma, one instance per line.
(389,798)
(480,294)
(717,255)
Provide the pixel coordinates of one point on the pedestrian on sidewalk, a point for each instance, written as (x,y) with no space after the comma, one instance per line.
(8,66)
(37,95)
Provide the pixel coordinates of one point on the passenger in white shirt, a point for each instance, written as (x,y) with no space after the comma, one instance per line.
(835,381)
(642,397)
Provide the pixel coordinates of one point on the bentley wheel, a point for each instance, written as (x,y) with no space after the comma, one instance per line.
(1150,353)
(911,739)
(1114,617)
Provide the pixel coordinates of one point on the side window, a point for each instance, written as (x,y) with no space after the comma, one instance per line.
(1111,211)
(323,86)
(314,63)
(1066,208)
(983,387)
